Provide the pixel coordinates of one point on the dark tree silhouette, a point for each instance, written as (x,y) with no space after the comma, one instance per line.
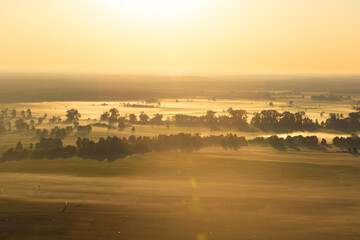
(13,113)
(105,116)
(157,119)
(28,113)
(72,115)
(114,114)
(21,125)
(144,118)
(19,146)
(132,118)
(121,125)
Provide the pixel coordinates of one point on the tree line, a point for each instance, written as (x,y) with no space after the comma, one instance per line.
(112,148)
(266,120)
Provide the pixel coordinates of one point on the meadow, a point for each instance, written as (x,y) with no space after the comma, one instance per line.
(191,106)
(253,193)
(179,120)
(91,111)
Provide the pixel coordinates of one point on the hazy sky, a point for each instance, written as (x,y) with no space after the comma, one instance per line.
(180,36)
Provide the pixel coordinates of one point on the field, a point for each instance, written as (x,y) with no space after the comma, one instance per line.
(179,120)
(252,193)
(214,194)
(196,107)
(91,111)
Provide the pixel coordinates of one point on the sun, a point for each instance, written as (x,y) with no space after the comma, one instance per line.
(154,9)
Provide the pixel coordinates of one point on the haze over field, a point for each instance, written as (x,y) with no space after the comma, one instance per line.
(179,119)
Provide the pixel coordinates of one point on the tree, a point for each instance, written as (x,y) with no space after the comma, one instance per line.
(13,113)
(84,129)
(157,119)
(28,113)
(4,112)
(355,150)
(114,114)
(133,130)
(210,114)
(105,116)
(2,129)
(21,125)
(121,125)
(19,146)
(38,132)
(143,118)
(132,118)
(354,116)
(72,115)
(69,129)
(45,132)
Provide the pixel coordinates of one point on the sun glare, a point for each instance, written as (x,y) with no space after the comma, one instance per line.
(154,9)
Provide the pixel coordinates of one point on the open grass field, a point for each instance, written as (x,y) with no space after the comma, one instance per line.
(179,120)
(254,193)
(195,107)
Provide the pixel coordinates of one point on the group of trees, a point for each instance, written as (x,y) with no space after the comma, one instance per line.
(351,143)
(272,120)
(348,124)
(21,125)
(348,142)
(60,133)
(87,129)
(46,148)
(55,119)
(322,97)
(56,132)
(290,141)
(113,117)
(140,105)
(266,120)
(114,147)
(13,113)
(237,119)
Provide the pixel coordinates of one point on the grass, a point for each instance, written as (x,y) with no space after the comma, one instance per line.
(253,193)
(211,194)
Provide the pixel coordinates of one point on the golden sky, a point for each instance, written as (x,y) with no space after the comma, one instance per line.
(180,36)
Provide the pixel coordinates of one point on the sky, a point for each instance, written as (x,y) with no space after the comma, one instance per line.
(180,36)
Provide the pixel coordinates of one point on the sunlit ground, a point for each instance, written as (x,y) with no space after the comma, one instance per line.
(254,193)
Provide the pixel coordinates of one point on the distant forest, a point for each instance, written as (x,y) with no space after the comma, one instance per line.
(66,87)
